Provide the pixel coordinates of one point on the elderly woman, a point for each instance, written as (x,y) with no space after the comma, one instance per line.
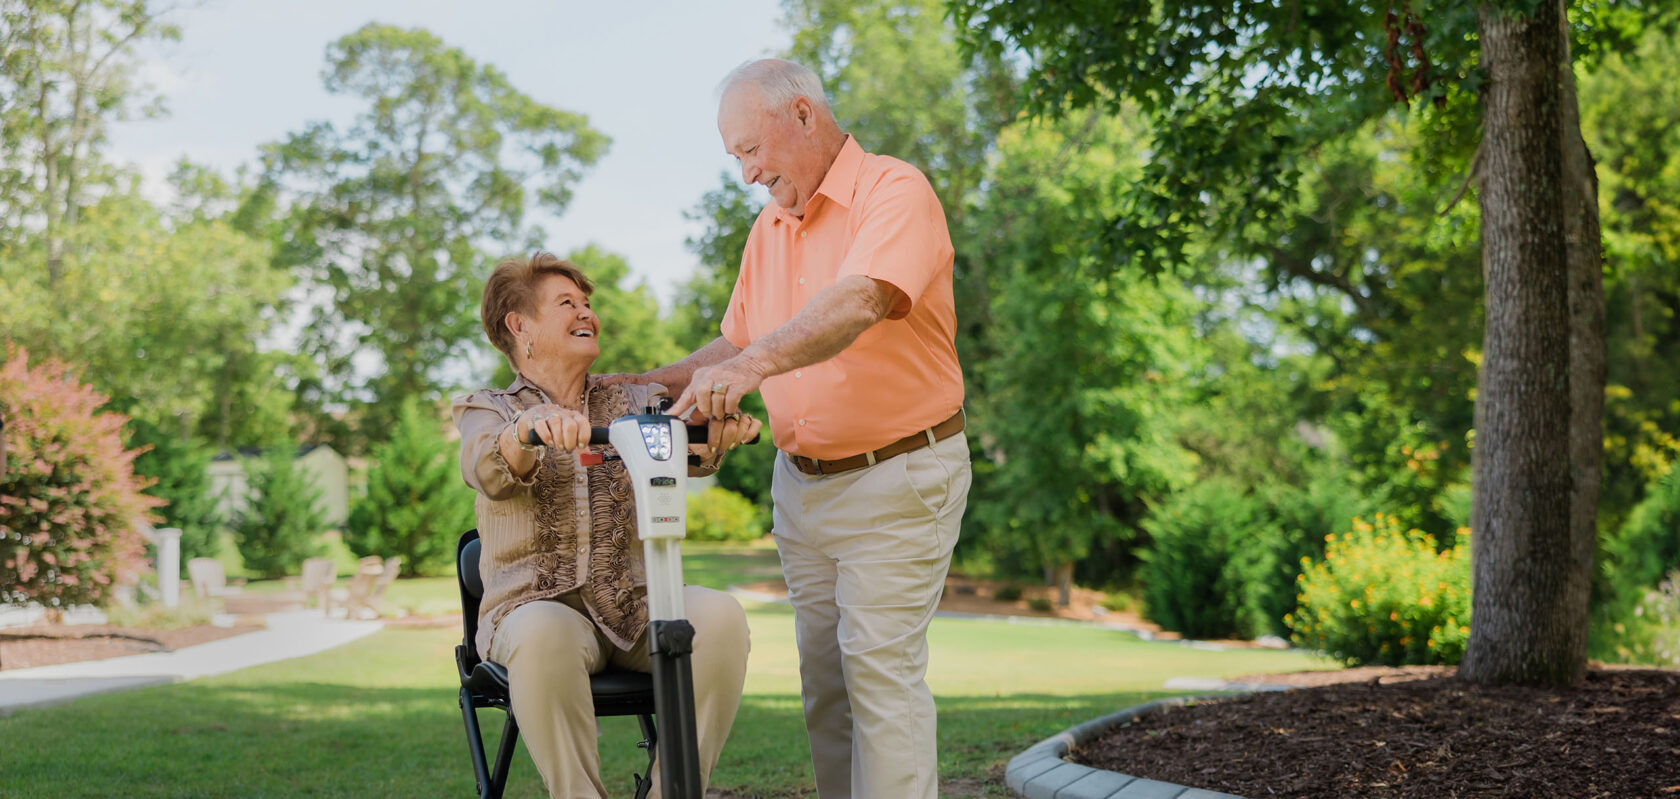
(565,590)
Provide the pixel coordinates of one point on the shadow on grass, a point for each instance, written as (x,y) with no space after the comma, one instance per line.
(319,739)
(767,755)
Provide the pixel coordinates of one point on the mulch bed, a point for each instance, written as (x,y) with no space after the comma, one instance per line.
(51,644)
(1617,734)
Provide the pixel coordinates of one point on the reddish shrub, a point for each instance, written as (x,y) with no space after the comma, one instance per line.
(70,504)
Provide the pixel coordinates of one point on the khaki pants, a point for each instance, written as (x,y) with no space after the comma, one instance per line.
(865,553)
(550,650)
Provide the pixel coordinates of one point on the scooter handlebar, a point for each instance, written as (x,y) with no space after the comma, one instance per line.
(598,436)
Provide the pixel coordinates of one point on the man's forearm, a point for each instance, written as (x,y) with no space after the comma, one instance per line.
(828,324)
(674,377)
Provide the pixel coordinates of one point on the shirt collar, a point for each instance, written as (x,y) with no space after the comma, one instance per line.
(839,184)
(520,384)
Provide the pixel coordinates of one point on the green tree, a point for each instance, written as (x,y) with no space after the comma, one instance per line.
(1633,126)
(416,505)
(160,312)
(903,86)
(390,214)
(152,307)
(727,213)
(281,525)
(1241,93)
(1078,416)
(1370,272)
(633,336)
(67,70)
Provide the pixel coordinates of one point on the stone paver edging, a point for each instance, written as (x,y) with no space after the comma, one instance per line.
(1041,773)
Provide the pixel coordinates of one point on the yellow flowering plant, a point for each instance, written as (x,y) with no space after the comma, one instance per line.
(1385,595)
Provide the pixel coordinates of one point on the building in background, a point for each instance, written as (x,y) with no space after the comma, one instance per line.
(322,463)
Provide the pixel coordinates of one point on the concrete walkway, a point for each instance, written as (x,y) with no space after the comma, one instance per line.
(289,635)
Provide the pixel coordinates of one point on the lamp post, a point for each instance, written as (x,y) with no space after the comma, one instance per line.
(169,565)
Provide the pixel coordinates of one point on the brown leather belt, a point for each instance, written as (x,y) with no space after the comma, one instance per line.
(909,443)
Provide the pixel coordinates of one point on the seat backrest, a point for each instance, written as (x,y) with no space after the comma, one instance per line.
(362,582)
(467,579)
(388,575)
(207,576)
(318,573)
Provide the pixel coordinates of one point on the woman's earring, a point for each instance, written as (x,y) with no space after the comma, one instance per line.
(527,349)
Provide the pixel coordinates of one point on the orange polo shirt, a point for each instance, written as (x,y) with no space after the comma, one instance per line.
(875,216)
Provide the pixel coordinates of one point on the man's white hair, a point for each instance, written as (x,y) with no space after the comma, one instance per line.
(781,81)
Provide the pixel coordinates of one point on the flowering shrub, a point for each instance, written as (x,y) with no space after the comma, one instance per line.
(70,504)
(1383,595)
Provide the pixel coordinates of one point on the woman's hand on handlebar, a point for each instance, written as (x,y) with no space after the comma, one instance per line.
(561,428)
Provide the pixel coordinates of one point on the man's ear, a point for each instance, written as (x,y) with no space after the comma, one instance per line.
(803,112)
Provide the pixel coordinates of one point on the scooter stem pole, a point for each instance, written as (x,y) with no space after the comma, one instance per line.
(654,449)
(669,646)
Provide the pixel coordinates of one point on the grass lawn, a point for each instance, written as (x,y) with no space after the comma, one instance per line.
(378,717)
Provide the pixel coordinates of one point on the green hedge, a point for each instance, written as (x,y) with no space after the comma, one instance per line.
(1207,561)
(718,514)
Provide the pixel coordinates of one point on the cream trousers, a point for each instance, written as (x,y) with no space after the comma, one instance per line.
(865,554)
(550,650)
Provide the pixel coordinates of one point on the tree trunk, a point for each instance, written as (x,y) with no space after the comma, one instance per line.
(1587,367)
(1535,484)
(1064,584)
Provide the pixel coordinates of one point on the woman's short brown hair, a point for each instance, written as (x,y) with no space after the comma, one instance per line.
(513,287)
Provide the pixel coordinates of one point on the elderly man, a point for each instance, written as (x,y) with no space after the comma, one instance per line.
(843,315)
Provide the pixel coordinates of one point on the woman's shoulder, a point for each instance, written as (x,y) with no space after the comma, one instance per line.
(493,399)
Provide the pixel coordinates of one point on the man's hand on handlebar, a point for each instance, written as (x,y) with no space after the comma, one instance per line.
(725,433)
(716,391)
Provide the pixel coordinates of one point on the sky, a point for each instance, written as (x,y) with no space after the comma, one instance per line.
(248,72)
